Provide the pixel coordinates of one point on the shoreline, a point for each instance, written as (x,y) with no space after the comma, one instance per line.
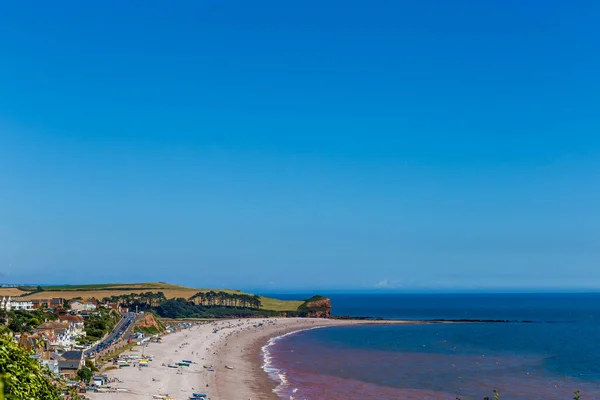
(227,355)
(245,353)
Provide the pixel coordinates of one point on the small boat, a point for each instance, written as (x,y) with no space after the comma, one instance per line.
(228,367)
(172,366)
(183,364)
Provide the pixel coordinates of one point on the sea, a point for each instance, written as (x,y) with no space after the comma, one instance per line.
(548,349)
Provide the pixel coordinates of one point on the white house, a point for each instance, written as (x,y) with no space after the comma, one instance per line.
(9,304)
(82,306)
(51,364)
(76,324)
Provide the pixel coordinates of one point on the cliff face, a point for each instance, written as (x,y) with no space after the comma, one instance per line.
(149,324)
(316,307)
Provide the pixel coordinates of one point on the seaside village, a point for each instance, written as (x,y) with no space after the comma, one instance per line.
(59,341)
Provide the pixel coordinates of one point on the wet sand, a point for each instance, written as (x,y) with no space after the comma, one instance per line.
(227,355)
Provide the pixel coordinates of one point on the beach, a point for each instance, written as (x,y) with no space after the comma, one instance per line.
(227,361)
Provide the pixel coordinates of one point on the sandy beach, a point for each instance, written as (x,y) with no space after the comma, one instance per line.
(228,362)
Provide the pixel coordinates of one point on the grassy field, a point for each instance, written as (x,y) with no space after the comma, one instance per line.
(269,303)
(171,291)
(5,292)
(106,286)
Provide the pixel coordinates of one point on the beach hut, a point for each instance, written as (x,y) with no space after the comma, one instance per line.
(99,380)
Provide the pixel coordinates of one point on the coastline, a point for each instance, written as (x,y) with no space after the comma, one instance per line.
(244,352)
(228,360)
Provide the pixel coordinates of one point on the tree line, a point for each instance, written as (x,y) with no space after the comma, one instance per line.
(206,299)
(147,299)
(224,299)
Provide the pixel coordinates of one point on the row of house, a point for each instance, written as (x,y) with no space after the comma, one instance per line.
(54,343)
(55,334)
(48,303)
(9,304)
(50,340)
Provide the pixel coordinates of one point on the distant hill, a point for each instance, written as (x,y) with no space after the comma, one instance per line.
(102,290)
(105,286)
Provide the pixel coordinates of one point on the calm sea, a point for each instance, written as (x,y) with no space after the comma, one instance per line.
(548,358)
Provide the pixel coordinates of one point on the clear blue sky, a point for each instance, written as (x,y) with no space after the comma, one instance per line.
(301,145)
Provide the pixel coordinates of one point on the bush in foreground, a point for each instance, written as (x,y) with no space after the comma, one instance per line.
(23,378)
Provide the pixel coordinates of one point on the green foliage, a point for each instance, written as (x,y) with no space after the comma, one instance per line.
(20,321)
(85,374)
(225,299)
(305,308)
(150,330)
(181,308)
(315,298)
(23,378)
(161,326)
(90,364)
(221,304)
(27,290)
(100,323)
(142,301)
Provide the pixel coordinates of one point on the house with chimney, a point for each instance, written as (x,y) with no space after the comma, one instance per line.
(70,362)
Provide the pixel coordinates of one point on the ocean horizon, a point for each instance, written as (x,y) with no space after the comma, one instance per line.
(547,358)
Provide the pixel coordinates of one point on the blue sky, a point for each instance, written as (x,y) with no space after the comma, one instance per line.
(277,145)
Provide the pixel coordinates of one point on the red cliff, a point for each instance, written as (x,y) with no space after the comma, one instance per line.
(316,307)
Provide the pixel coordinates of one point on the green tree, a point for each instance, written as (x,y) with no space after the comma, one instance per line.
(18,324)
(85,374)
(23,378)
(90,364)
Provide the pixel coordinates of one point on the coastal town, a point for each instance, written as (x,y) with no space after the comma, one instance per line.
(121,341)
(62,335)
